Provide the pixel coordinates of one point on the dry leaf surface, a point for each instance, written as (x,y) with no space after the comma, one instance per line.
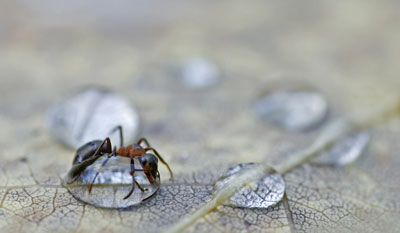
(348,52)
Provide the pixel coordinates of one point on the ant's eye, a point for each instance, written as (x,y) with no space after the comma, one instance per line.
(149,159)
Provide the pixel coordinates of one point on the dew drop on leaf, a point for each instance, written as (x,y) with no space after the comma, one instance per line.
(293,110)
(344,151)
(259,194)
(92,114)
(199,72)
(113,183)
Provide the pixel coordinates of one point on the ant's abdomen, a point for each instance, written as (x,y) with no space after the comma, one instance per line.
(86,151)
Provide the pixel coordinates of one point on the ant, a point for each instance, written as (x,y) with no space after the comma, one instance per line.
(91,151)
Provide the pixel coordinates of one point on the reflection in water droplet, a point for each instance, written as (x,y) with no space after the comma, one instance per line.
(293,110)
(344,151)
(112,184)
(260,194)
(92,114)
(199,72)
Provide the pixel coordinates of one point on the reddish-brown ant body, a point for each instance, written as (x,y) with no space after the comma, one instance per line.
(91,151)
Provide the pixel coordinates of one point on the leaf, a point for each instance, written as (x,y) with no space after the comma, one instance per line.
(322,198)
(201,133)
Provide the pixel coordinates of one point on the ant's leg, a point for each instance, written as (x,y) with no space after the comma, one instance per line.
(143,140)
(102,165)
(120,134)
(133,179)
(77,169)
(133,188)
(97,152)
(161,159)
(105,161)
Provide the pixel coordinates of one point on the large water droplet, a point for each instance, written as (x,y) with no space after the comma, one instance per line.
(259,194)
(92,114)
(293,110)
(199,72)
(113,183)
(344,151)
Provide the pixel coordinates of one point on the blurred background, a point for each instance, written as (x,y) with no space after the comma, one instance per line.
(348,51)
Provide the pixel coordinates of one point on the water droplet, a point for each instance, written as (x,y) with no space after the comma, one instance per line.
(113,183)
(293,110)
(260,194)
(199,72)
(344,151)
(92,114)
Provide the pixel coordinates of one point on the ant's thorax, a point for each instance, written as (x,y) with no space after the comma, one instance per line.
(132,150)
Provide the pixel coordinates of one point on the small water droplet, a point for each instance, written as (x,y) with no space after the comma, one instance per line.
(344,151)
(23,159)
(260,194)
(92,114)
(113,183)
(199,72)
(293,110)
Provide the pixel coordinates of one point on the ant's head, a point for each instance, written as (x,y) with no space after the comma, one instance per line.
(149,162)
